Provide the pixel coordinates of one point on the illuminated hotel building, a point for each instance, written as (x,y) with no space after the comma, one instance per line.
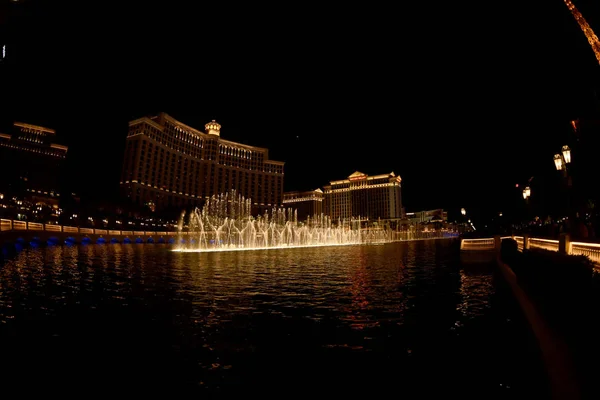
(168,164)
(307,204)
(369,197)
(30,162)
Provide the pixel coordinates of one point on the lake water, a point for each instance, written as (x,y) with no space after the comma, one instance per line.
(400,319)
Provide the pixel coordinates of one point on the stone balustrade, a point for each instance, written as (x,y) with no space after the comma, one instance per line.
(11,225)
(562,245)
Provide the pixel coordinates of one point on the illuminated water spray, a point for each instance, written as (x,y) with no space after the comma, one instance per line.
(585,27)
(225,223)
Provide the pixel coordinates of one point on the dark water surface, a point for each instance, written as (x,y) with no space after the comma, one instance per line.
(402,319)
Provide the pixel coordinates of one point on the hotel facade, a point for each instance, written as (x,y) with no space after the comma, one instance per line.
(368,197)
(168,164)
(371,198)
(31,162)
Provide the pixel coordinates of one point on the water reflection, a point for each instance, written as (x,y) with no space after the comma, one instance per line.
(476,290)
(226,320)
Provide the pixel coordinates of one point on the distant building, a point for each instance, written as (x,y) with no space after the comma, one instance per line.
(368,197)
(168,164)
(437,215)
(31,162)
(307,204)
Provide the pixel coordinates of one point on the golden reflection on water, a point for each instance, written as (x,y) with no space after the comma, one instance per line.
(222,307)
(366,289)
(360,284)
(476,290)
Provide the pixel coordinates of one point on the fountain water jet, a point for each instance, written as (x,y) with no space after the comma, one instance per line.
(225,223)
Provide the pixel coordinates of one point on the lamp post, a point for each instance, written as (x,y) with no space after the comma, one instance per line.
(526,196)
(561,161)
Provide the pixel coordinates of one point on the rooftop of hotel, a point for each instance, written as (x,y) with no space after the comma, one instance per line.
(23,125)
(357,175)
(154,121)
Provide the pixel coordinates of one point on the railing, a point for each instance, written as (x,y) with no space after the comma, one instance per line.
(35,226)
(590,250)
(20,225)
(52,228)
(520,242)
(546,244)
(5,225)
(478,244)
(11,225)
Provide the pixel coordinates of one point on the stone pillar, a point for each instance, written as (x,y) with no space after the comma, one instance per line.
(564,243)
(497,243)
(526,242)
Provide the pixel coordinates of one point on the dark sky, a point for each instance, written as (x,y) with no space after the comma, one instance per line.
(462,100)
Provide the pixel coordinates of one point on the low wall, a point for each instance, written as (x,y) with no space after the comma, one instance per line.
(8,237)
(562,245)
(12,232)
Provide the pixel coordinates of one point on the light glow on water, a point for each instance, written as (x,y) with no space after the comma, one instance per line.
(223,248)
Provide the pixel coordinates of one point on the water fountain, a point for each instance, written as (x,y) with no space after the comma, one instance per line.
(225,223)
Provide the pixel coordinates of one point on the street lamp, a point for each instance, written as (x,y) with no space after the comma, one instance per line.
(526,192)
(561,160)
(463,211)
(566,151)
(558,162)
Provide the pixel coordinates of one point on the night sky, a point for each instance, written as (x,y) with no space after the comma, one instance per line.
(461,100)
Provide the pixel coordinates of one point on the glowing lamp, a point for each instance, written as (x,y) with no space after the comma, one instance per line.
(528,191)
(558,162)
(566,151)
(463,211)
(524,194)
